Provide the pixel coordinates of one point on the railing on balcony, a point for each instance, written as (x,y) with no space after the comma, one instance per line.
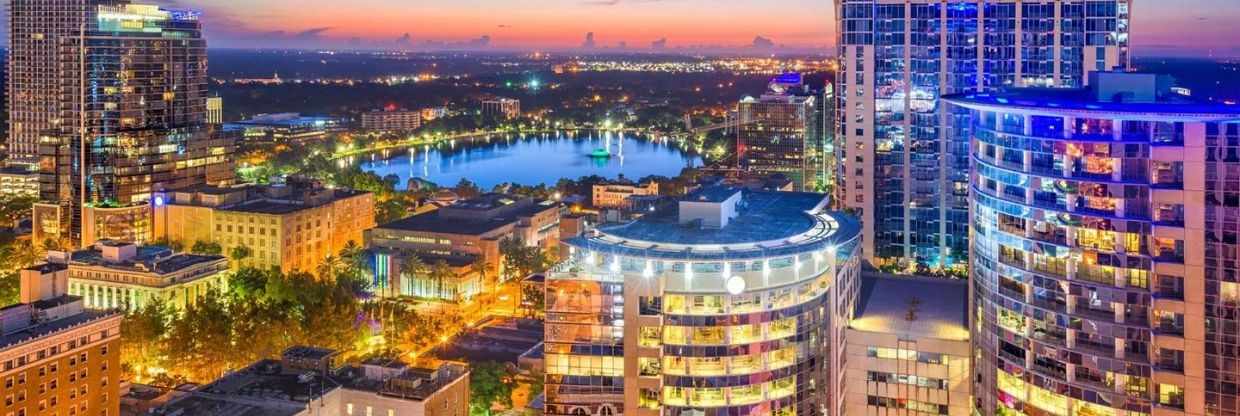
(1097,274)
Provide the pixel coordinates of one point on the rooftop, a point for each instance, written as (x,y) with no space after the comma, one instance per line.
(941,310)
(149,259)
(1109,93)
(474,216)
(46,329)
(766,224)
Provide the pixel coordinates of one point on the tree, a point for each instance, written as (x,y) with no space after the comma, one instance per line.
(172,244)
(10,289)
(142,332)
(466,189)
(202,340)
(206,248)
(440,272)
(521,260)
(490,383)
(240,253)
(411,265)
(533,298)
(14,208)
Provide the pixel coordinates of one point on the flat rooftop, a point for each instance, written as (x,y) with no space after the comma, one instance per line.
(941,310)
(769,223)
(153,259)
(47,329)
(1086,99)
(199,405)
(437,222)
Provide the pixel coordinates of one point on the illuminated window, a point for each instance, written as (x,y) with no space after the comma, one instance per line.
(1229,292)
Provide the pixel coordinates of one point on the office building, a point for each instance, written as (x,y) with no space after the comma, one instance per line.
(215,110)
(1103,253)
(500,107)
(395,121)
(307,381)
(59,357)
(291,227)
(781,132)
(903,155)
(285,128)
(466,232)
(118,275)
(730,302)
(19,181)
(908,348)
(110,97)
(616,194)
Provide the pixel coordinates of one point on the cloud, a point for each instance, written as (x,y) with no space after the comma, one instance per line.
(763,43)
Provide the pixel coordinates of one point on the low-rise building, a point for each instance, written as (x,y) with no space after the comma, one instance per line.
(284,128)
(908,348)
(615,194)
(501,107)
(392,121)
(292,227)
(126,276)
(471,229)
(59,357)
(307,382)
(19,181)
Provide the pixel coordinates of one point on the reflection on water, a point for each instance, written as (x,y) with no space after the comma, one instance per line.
(532,159)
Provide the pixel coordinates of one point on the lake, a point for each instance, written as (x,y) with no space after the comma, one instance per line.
(532,159)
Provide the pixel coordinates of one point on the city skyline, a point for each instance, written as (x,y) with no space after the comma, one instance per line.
(1166,28)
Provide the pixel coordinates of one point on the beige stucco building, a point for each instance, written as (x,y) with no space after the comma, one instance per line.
(126,276)
(908,348)
(292,227)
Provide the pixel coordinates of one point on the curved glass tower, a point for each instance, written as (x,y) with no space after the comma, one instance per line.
(1104,250)
(731,303)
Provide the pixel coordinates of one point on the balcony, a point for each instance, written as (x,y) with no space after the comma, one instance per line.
(1094,348)
(1097,274)
(1100,315)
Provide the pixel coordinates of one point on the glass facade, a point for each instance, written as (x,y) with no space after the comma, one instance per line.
(902,157)
(702,329)
(129,115)
(783,134)
(1103,255)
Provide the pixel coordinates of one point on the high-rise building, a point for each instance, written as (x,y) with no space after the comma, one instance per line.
(110,96)
(732,302)
(1104,250)
(903,162)
(782,132)
(59,357)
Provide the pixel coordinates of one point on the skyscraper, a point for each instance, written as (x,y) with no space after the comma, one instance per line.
(903,163)
(1104,250)
(731,303)
(781,132)
(111,98)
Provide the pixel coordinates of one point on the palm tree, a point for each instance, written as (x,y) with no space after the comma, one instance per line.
(479,266)
(330,267)
(439,272)
(411,265)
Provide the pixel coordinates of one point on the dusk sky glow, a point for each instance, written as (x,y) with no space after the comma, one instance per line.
(1195,27)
